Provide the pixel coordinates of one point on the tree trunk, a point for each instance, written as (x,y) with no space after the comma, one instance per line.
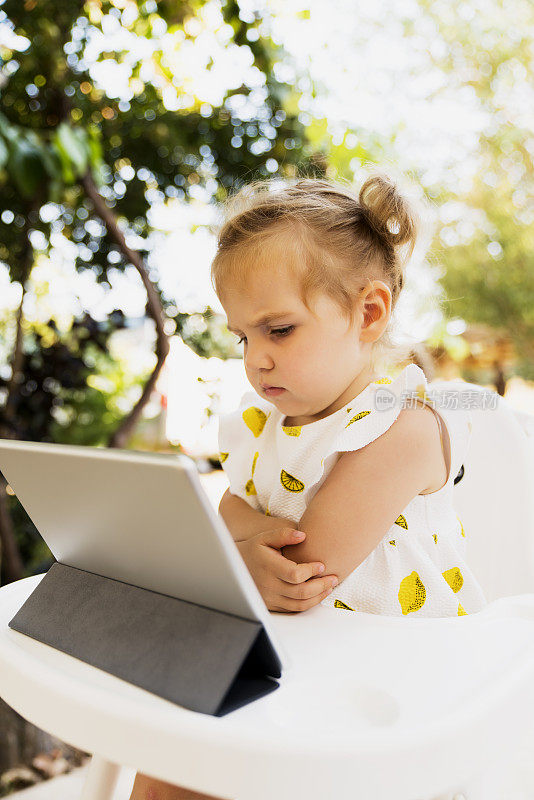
(154,309)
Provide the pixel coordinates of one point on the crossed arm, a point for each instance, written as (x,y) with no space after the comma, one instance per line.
(360,499)
(243,521)
(366,491)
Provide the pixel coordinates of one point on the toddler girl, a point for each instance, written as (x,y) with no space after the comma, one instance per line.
(360,461)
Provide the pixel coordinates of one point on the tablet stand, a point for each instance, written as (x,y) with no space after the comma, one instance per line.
(197,657)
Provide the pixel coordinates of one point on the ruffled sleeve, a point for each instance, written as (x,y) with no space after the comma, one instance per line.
(239,435)
(376,408)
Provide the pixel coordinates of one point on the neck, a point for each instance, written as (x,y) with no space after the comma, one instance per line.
(360,382)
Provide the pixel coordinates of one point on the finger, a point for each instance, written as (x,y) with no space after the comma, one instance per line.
(281,610)
(291,572)
(302,605)
(282,536)
(308,589)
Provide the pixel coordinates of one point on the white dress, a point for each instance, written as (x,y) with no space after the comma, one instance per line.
(419,566)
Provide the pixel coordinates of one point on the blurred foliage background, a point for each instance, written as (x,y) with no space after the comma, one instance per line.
(120,119)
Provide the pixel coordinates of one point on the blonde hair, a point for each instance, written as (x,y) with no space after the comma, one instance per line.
(340,240)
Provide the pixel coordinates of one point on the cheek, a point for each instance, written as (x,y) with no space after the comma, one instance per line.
(319,362)
(302,361)
(314,351)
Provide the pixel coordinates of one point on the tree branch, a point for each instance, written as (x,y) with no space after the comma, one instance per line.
(154,308)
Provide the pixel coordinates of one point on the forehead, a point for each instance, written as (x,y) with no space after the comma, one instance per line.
(261,300)
(264,273)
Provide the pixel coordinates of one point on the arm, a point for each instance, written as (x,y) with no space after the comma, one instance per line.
(366,491)
(284,585)
(244,522)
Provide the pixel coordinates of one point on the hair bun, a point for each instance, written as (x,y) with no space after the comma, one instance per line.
(387,211)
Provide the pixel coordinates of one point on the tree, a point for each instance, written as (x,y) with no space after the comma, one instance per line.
(63,141)
(487,248)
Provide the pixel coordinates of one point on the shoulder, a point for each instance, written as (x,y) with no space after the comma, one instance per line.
(366,491)
(411,444)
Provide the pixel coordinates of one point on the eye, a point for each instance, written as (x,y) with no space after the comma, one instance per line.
(279,332)
(282,331)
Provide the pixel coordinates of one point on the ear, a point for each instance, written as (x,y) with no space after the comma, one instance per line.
(375,308)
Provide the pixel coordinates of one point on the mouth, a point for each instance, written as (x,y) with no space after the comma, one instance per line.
(271,389)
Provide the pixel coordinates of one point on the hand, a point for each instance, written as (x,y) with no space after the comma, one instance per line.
(283,584)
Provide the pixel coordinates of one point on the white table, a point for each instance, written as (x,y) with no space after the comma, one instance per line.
(380,708)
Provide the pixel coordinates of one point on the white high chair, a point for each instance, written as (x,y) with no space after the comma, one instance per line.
(369,708)
(495,497)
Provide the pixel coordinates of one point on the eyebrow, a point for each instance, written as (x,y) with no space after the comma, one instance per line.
(263,319)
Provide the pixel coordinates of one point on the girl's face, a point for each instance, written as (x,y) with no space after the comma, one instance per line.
(317,360)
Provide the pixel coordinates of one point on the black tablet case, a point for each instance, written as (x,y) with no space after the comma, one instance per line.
(197,657)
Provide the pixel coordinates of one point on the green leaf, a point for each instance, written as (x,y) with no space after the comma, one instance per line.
(26,167)
(7,130)
(72,148)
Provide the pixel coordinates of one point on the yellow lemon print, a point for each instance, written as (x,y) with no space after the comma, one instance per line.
(361,415)
(250,488)
(421,393)
(434,536)
(393,542)
(290,483)
(292,430)
(349,409)
(454,578)
(223,457)
(255,419)
(461,611)
(340,604)
(412,593)
(254,462)
(382,380)
(402,522)
(461,526)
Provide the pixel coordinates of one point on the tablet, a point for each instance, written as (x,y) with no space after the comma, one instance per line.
(137,517)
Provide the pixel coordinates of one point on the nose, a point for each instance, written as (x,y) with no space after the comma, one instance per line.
(257,357)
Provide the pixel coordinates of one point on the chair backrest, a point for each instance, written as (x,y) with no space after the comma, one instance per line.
(495,498)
